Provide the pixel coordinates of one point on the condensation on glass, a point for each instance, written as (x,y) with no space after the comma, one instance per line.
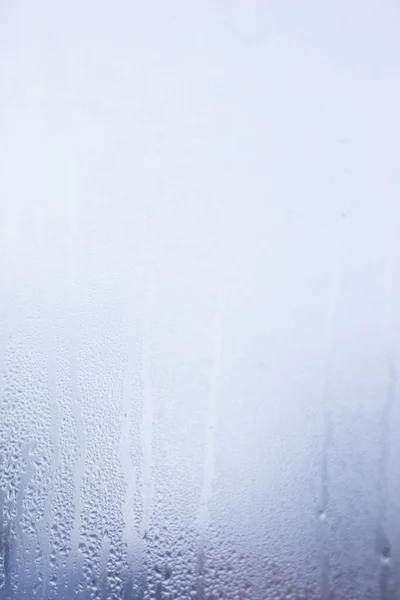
(199,306)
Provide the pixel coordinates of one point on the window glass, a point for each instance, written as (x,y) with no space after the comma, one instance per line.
(199,307)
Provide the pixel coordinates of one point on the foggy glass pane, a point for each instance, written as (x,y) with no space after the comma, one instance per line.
(199,300)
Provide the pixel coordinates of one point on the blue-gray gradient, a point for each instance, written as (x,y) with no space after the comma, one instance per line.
(199,300)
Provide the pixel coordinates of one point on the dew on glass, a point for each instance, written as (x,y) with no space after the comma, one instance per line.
(199,300)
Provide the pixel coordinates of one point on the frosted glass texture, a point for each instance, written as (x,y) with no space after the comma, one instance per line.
(199,303)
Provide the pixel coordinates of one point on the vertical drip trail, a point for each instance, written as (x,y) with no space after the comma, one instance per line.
(211,419)
(6,268)
(383,543)
(324,566)
(132,448)
(81,457)
(130,467)
(4,526)
(56,457)
(146,430)
(323,510)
